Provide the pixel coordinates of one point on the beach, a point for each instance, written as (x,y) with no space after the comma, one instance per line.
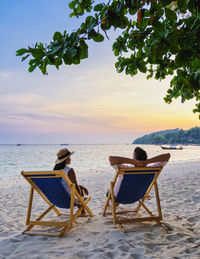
(97,237)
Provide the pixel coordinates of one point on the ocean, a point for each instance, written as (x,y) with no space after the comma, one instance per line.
(87,159)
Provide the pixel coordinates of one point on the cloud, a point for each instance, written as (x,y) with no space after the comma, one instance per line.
(4,75)
(20,99)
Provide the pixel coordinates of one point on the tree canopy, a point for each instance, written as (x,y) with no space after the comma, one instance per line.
(157,37)
(171,137)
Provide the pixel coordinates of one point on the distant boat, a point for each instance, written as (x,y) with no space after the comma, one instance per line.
(19,145)
(172,147)
(64,144)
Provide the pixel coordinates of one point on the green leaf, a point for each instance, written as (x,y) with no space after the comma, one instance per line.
(72,5)
(43,68)
(32,68)
(182,5)
(76,61)
(98,37)
(166,2)
(90,22)
(25,57)
(170,15)
(92,33)
(98,7)
(142,67)
(58,62)
(38,53)
(105,25)
(73,51)
(133,11)
(21,52)
(84,49)
(84,53)
(57,36)
(149,76)
(183,56)
(67,60)
(123,23)
(72,14)
(196,64)
(73,37)
(54,50)
(155,42)
(116,52)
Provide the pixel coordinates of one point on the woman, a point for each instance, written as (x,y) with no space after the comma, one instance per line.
(62,162)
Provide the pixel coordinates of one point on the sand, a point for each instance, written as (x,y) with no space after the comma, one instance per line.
(178,237)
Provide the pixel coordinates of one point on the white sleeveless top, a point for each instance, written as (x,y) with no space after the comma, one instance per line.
(66,169)
(120,177)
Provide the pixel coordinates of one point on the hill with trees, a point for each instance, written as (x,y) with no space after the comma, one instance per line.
(171,137)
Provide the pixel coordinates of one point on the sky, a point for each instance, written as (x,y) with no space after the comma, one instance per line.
(86,104)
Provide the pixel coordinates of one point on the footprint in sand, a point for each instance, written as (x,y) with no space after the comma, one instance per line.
(110,246)
(97,250)
(84,244)
(109,255)
(193,219)
(174,237)
(124,248)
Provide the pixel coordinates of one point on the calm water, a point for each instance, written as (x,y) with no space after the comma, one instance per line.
(87,158)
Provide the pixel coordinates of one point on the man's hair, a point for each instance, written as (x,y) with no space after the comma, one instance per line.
(140,154)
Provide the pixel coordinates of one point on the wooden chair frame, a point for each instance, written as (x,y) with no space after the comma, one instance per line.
(151,217)
(66,225)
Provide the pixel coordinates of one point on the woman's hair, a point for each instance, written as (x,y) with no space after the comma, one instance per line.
(140,154)
(60,165)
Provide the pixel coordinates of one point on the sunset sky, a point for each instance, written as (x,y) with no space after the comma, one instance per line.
(88,103)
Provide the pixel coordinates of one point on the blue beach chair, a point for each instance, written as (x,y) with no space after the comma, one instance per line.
(135,187)
(48,185)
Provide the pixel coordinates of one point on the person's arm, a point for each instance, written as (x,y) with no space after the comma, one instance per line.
(72,177)
(83,190)
(118,160)
(159,158)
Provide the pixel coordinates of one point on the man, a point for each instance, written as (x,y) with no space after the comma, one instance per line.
(139,160)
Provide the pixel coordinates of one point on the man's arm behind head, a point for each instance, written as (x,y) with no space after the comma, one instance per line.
(159,158)
(118,160)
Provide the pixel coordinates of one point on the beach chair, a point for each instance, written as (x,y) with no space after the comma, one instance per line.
(48,185)
(135,187)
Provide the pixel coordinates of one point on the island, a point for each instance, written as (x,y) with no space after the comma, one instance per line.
(171,137)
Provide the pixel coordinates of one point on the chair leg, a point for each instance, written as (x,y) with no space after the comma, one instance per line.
(29,206)
(38,219)
(107,203)
(65,229)
(84,203)
(158,201)
(121,228)
(72,204)
(145,207)
(113,203)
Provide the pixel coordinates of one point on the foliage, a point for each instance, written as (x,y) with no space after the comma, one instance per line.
(159,38)
(175,136)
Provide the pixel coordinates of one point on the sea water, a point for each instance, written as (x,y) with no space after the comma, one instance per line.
(87,159)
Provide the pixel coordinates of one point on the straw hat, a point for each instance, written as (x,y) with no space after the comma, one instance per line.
(62,155)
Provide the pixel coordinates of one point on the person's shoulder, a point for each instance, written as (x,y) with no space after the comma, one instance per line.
(115,166)
(126,165)
(122,166)
(157,164)
(69,169)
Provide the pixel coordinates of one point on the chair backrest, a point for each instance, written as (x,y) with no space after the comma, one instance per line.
(135,183)
(49,183)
